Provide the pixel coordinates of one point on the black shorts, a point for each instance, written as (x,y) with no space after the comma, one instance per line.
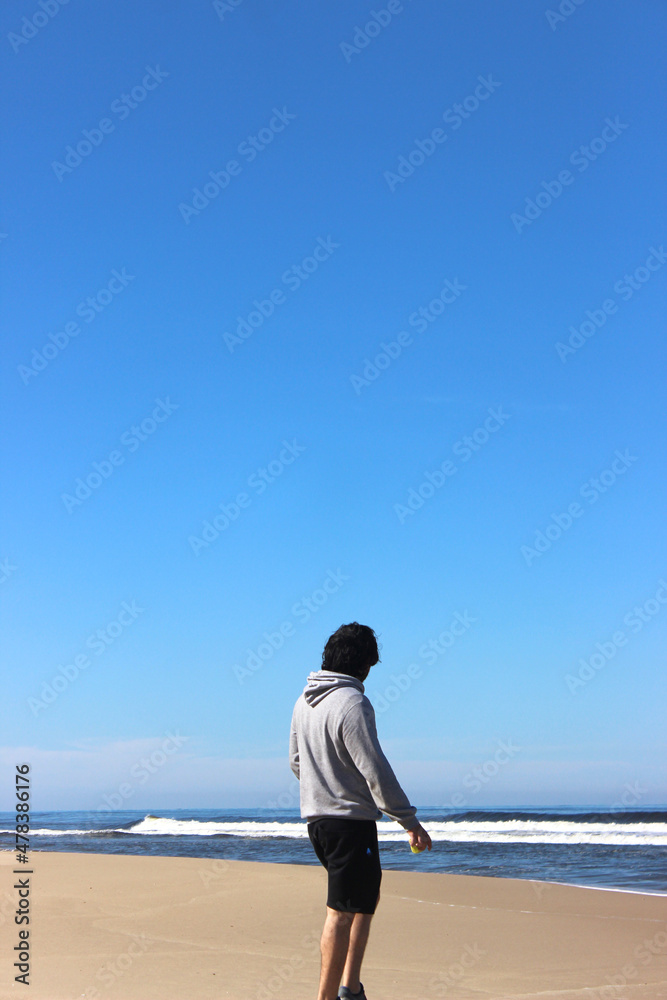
(348,849)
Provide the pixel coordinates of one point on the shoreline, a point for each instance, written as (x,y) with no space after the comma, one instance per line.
(141,927)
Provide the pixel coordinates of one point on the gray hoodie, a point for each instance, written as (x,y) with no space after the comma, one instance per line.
(335,753)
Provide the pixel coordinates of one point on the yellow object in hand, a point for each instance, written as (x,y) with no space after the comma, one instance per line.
(416,850)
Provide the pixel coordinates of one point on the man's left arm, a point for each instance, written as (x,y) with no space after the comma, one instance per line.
(361,740)
(294,749)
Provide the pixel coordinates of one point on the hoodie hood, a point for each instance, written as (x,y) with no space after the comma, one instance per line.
(323,682)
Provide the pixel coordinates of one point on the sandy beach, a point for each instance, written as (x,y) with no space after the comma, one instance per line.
(160,928)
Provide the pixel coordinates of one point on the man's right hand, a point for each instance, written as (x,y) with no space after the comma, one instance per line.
(419,838)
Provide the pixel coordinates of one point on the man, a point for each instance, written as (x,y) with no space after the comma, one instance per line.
(346,785)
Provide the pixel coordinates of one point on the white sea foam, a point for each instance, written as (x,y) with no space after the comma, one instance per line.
(513,831)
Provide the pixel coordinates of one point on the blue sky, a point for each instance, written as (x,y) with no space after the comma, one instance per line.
(413,209)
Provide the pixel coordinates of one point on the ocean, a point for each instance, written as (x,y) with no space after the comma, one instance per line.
(590,847)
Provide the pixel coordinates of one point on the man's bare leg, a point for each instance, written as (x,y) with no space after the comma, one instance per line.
(334,949)
(359,931)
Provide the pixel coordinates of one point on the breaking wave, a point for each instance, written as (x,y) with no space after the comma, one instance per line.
(533,830)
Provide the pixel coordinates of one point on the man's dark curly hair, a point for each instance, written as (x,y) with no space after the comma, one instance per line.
(351,649)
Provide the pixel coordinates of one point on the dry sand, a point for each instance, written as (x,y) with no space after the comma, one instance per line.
(153,928)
